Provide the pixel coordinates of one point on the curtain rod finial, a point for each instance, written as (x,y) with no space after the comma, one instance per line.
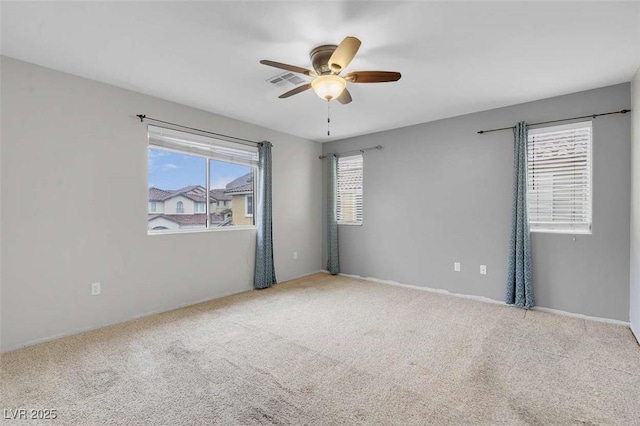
(480,132)
(141,117)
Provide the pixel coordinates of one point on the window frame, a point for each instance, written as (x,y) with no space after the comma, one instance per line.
(246,205)
(208,210)
(566,228)
(339,220)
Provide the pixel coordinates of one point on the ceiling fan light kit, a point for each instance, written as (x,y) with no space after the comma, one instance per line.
(328,87)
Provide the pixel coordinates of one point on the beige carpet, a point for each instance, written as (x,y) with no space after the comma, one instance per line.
(333,350)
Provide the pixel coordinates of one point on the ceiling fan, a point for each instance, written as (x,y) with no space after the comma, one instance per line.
(328,62)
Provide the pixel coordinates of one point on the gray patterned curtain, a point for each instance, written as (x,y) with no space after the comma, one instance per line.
(519,291)
(333,260)
(265,274)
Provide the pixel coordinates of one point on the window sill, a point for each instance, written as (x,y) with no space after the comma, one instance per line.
(201,230)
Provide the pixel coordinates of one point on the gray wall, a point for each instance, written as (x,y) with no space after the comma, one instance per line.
(74,207)
(634,310)
(438,193)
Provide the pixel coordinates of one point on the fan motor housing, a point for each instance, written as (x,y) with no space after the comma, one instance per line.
(320,58)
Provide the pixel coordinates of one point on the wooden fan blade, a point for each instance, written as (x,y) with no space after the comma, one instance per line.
(345,97)
(287,67)
(295,91)
(344,54)
(372,76)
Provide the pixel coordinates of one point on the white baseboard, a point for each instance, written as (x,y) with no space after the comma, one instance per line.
(429,289)
(305,275)
(134,317)
(376,280)
(636,333)
(582,316)
(489,300)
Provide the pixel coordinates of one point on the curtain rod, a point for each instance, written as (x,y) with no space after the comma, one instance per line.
(143,117)
(350,152)
(624,111)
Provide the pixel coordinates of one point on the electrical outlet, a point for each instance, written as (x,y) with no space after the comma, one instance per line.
(456,266)
(95,289)
(483,269)
(295,254)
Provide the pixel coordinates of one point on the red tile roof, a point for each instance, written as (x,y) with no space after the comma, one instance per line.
(219,195)
(241,189)
(157,194)
(194,193)
(243,184)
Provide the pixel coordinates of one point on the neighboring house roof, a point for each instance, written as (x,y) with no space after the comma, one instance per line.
(242,189)
(194,193)
(196,198)
(190,188)
(241,185)
(219,195)
(157,194)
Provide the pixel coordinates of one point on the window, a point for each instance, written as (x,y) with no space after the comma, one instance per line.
(238,189)
(559,169)
(248,205)
(188,172)
(153,207)
(349,190)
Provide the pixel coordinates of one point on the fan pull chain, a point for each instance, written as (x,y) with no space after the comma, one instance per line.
(328,118)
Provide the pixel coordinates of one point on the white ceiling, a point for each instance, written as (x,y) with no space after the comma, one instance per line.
(455,57)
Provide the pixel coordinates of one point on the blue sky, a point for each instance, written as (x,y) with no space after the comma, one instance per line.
(172,170)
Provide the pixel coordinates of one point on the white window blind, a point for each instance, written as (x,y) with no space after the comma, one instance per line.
(349,190)
(559,169)
(203,146)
